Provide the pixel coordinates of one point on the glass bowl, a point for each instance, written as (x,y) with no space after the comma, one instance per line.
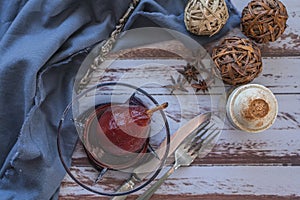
(98,152)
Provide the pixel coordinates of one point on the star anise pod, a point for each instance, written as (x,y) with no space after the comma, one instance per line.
(189,72)
(201,85)
(177,85)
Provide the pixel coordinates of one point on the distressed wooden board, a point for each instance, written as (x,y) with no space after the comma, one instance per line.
(189,197)
(288,112)
(241,166)
(280,74)
(273,147)
(238,148)
(277,146)
(259,180)
(256,182)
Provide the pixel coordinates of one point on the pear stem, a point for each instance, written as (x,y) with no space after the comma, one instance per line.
(160,107)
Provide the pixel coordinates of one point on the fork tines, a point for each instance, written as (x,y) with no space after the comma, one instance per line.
(201,135)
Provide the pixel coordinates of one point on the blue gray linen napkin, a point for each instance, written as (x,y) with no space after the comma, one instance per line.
(42,44)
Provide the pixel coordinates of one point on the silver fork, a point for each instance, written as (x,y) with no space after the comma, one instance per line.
(185,155)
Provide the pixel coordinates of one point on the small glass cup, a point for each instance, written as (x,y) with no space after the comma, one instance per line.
(98,152)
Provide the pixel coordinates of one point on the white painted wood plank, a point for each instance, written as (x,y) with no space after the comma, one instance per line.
(288,110)
(261,180)
(281,74)
(271,143)
(228,180)
(272,147)
(281,140)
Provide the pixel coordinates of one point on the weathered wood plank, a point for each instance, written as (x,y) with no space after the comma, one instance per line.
(279,74)
(200,181)
(273,147)
(244,176)
(189,197)
(277,146)
(288,114)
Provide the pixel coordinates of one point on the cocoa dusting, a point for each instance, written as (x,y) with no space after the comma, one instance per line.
(259,124)
(257,109)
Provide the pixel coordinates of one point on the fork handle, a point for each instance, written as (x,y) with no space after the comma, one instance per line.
(147,194)
(128,185)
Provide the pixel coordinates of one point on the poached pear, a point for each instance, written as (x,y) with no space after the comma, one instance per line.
(126,127)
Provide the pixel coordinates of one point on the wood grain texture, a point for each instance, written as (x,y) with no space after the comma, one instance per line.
(262,166)
(191,197)
(280,74)
(277,146)
(197,181)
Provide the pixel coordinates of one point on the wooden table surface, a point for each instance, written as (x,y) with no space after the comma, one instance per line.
(241,165)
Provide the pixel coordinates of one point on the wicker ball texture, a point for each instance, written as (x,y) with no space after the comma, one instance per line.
(264,20)
(205,17)
(237,61)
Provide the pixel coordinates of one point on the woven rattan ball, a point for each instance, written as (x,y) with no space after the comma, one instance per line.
(237,61)
(205,17)
(264,20)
